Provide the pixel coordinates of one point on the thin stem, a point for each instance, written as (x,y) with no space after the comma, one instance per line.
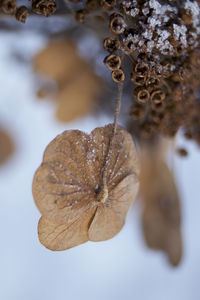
(118,104)
(69,6)
(116,118)
(117,107)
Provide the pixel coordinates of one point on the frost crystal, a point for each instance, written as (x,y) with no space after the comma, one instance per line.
(162,23)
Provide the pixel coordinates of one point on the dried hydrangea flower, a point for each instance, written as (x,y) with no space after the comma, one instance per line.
(77,202)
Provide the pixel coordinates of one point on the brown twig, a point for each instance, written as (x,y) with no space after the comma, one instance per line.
(69,7)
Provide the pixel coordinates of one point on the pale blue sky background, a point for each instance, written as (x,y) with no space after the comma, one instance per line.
(122,268)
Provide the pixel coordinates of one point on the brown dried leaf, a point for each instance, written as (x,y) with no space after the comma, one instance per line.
(162,213)
(69,183)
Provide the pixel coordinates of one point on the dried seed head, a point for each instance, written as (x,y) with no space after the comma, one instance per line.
(129,47)
(44,7)
(118,75)
(112,62)
(170,64)
(138,79)
(159,106)
(111,44)
(76,203)
(117,23)
(22,14)
(8,6)
(141,68)
(137,112)
(142,94)
(158,96)
(152,82)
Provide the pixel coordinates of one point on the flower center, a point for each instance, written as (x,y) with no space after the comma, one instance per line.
(102,193)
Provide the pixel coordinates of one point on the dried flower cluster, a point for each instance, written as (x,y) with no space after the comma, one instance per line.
(161,40)
(83,188)
(40,7)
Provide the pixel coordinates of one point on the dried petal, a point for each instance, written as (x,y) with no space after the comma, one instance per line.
(105,225)
(77,98)
(124,193)
(59,237)
(59,61)
(109,220)
(6,146)
(162,214)
(77,85)
(61,201)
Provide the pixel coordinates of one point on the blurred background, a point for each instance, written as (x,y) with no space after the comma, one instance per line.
(31,115)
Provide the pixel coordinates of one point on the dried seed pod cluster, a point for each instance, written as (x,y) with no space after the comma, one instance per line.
(165,76)
(40,7)
(76,201)
(161,40)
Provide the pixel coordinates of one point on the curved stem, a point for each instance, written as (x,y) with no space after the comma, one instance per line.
(69,7)
(117,107)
